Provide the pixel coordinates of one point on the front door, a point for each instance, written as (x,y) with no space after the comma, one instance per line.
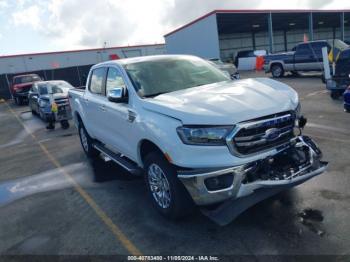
(119,124)
(304,58)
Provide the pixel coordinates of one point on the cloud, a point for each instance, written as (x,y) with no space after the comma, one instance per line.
(28,17)
(81,23)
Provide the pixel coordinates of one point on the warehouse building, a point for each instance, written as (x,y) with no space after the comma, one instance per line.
(222,33)
(72,66)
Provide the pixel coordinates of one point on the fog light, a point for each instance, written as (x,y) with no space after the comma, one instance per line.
(219,182)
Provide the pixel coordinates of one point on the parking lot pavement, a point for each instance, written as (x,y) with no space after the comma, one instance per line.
(54,201)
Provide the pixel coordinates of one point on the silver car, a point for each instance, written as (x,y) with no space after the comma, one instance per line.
(49,100)
(226,67)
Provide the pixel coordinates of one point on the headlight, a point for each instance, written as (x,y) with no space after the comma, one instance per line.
(44,103)
(298,110)
(205,136)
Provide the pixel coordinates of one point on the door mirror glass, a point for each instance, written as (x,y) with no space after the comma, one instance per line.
(117,95)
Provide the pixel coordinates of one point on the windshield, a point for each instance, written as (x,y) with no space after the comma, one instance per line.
(26,79)
(59,87)
(166,75)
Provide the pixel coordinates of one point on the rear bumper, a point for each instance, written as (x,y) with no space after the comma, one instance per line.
(336,85)
(195,180)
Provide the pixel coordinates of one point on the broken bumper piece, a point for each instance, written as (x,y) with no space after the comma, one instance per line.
(238,188)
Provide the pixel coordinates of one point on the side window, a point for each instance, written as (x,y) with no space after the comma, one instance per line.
(303,48)
(317,47)
(97,81)
(114,79)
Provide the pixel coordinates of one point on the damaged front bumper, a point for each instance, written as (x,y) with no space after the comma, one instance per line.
(297,163)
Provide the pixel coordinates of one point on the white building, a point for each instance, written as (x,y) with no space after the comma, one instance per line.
(222,33)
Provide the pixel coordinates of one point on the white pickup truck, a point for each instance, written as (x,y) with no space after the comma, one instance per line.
(196,136)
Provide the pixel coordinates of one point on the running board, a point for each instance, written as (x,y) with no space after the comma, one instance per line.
(128,165)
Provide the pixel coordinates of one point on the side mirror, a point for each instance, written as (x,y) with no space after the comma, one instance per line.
(117,95)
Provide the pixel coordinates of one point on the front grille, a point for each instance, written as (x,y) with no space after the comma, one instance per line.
(263,133)
(61,101)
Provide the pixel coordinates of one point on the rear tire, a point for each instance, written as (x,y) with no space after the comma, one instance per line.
(87,142)
(277,71)
(335,95)
(168,195)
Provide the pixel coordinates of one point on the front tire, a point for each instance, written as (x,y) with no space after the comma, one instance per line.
(277,71)
(167,193)
(87,142)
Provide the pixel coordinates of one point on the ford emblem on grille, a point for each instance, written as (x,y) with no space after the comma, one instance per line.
(271,134)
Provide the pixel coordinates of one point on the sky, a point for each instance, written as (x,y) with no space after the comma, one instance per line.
(28,26)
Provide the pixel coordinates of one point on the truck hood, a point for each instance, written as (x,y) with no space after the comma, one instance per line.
(225,103)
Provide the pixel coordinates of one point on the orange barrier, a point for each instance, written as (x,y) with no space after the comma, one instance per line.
(259,63)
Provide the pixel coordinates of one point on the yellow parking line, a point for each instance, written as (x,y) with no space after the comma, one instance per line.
(127,244)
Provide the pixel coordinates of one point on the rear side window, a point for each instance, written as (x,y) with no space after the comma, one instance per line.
(97,81)
(317,47)
(304,48)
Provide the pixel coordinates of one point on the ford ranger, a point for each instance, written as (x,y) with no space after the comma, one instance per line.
(303,57)
(196,136)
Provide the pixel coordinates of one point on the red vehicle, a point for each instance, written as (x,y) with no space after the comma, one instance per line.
(21,85)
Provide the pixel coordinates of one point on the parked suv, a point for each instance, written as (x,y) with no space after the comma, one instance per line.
(197,136)
(45,95)
(303,57)
(21,85)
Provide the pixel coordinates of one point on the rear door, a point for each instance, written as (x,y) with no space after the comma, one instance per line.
(94,101)
(316,48)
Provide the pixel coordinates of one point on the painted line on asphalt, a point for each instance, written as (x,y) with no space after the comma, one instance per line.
(313,94)
(329,128)
(117,232)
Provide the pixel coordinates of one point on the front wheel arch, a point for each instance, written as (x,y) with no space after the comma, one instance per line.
(146,147)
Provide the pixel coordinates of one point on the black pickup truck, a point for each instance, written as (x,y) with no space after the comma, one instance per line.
(303,57)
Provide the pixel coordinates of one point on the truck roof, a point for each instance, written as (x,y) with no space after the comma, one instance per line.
(131,60)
